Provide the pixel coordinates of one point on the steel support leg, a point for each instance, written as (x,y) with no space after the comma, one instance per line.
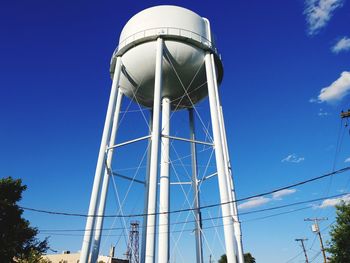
(152,194)
(105,183)
(237,223)
(163,234)
(231,189)
(220,162)
(196,203)
(145,209)
(85,250)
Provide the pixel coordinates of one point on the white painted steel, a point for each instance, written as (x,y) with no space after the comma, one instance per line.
(145,208)
(163,16)
(164,217)
(185,37)
(230,184)
(187,140)
(220,162)
(229,179)
(196,203)
(152,195)
(129,142)
(104,188)
(237,223)
(90,221)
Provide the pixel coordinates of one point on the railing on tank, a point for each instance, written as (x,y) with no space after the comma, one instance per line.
(167,32)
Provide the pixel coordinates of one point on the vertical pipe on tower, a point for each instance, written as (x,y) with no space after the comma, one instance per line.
(220,162)
(90,221)
(145,208)
(105,183)
(196,203)
(163,234)
(152,194)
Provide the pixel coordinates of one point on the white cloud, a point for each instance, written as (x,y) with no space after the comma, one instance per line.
(347,160)
(254,202)
(319,12)
(280,194)
(334,201)
(293,158)
(342,45)
(337,90)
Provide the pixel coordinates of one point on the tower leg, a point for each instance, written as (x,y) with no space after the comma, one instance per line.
(152,184)
(164,241)
(237,223)
(104,188)
(145,209)
(230,185)
(85,250)
(197,213)
(220,163)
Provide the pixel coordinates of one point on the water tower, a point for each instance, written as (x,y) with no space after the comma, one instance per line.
(171,50)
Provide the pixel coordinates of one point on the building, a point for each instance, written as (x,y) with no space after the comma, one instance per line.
(67,257)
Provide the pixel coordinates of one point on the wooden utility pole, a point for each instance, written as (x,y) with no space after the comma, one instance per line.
(303,246)
(345,114)
(316,229)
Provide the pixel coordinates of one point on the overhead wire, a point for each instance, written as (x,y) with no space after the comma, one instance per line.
(207,219)
(342,170)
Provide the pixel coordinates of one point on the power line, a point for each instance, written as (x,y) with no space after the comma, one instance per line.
(191,209)
(219,217)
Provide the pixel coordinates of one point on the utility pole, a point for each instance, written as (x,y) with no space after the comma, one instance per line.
(345,114)
(316,229)
(303,246)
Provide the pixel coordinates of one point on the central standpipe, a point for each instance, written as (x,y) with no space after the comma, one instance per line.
(163,241)
(152,184)
(220,162)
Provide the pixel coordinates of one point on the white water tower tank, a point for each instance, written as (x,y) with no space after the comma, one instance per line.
(186,36)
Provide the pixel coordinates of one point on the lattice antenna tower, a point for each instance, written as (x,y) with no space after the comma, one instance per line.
(133,245)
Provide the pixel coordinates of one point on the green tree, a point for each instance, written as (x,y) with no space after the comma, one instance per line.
(223,259)
(339,245)
(248,258)
(17,238)
(34,257)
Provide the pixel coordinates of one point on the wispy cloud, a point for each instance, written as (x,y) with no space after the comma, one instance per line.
(261,200)
(336,91)
(342,45)
(293,158)
(278,195)
(347,160)
(322,113)
(334,201)
(319,12)
(254,202)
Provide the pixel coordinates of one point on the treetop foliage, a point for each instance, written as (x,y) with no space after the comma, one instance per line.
(339,245)
(17,238)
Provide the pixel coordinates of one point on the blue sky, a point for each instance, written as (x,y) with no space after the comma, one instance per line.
(277,55)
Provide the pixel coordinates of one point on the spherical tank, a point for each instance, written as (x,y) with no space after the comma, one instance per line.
(187,38)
